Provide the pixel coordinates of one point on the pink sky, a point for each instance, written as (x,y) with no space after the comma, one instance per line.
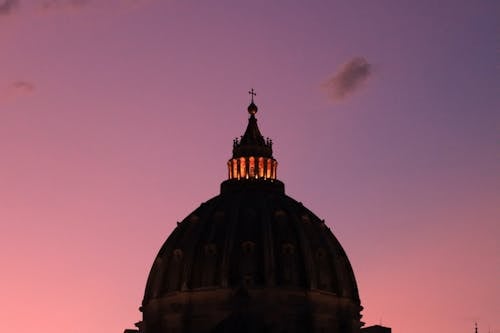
(117,119)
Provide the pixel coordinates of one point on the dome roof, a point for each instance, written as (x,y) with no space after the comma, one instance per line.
(253,237)
(251,259)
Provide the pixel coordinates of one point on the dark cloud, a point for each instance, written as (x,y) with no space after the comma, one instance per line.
(7,6)
(348,78)
(63,4)
(23,86)
(16,89)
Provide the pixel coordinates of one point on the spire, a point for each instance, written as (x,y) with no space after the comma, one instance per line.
(252,154)
(252,143)
(475,327)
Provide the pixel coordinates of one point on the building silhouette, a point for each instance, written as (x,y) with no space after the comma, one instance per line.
(251,259)
(376,329)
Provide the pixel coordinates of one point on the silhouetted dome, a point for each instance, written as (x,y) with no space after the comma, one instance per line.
(251,235)
(251,259)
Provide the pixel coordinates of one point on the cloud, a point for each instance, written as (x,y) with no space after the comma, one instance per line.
(348,78)
(24,87)
(16,89)
(63,4)
(7,6)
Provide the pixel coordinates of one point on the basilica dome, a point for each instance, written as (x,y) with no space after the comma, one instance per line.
(251,259)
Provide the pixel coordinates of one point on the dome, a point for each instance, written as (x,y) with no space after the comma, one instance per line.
(251,238)
(251,259)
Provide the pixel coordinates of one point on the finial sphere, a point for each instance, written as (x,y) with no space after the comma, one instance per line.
(252,108)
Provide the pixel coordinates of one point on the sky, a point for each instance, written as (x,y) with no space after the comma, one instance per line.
(117,119)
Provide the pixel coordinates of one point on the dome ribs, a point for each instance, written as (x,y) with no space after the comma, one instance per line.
(291,247)
(267,240)
(231,226)
(166,255)
(323,254)
(310,272)
(246,268)
(335,251)
(193,244)
(260,243)
(342,264)
(286,236)
(154,285)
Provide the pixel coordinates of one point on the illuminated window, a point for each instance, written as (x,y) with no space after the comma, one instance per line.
(261,167)
(268,168)
(235,168)
(251,167)
(243,169)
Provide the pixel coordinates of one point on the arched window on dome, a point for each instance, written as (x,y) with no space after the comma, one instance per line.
(235,168)
(229,170)
(210,250)
(248,247)
(324,272)
(251,167)
(178,255)
(288,263)
(288,249)
(261,167)
(248,280)
(243,168)
(247,260)
(209,265)
(268,168)
(175,270)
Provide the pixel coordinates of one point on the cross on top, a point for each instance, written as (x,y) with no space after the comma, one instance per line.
(252,93)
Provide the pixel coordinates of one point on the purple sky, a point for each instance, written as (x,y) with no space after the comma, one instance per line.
(117,119)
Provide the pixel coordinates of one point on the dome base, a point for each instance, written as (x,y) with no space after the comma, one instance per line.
(254,310)
(239,185)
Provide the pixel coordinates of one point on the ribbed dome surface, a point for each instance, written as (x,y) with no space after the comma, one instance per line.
(251,238)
